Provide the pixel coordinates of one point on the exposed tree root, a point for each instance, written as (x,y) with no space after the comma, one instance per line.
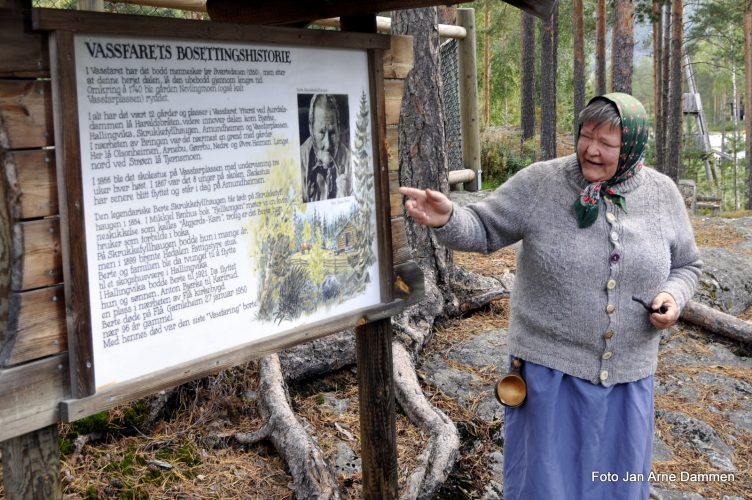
(440,455)
(474,291)
(717,322)
(319,357)
(312,475)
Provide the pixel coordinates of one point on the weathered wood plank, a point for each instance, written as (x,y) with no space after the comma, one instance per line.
(23,53)
(6,245)
(395,198)
(97,22)
(393,91)
(72,230)
(398,61)
(25,114)
(373,345)
(392,145)
(37,260)
(31,465)
(381,161)
(400,248)
(289,11)
(31,183)
(114,395)
(30,395)
(37,326)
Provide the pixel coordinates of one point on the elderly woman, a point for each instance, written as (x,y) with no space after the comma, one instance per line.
(597,229)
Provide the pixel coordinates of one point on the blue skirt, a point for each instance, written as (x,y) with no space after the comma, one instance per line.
(576,440)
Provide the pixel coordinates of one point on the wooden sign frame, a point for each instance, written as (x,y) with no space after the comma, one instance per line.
(63,25)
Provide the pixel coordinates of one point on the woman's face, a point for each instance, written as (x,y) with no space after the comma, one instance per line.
(598,151)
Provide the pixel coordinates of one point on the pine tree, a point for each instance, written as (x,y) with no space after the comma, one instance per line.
(362,259)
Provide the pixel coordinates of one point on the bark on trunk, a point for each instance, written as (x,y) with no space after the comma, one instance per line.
(527,92)
(657,80)
(422,156)
(748,94)
(622,46)
(447,14)
(665,84)
(600,48)
(673,152)
(486,66)
(717,322)
(549,37)
(579,63)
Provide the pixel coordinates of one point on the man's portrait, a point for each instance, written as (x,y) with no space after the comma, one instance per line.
(325,159)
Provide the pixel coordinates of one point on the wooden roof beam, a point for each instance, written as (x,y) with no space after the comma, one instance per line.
(291,12)
(286,12)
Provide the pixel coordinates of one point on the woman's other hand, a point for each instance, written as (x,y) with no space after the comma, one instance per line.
(427,207)
(667,319)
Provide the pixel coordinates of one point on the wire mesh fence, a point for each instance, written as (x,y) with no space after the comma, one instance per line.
(120,8)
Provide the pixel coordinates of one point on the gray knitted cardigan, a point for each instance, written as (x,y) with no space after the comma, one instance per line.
(572,307)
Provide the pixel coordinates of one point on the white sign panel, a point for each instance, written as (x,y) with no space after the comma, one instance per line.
(228,194)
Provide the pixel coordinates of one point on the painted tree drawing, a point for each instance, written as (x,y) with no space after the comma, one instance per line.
(307,258)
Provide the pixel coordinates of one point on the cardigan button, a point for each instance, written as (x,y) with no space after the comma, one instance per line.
(614,236)
(615,258)
(610,308)
(607,355)
(610,217)
(611,284)
(604,375)
(608,334)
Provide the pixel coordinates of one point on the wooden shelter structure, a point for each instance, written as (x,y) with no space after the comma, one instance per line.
(37,374)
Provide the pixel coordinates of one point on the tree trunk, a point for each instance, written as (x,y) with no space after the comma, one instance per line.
(600,48)
(665,84)
(579,62)
(422,155)
(486,66)
(447,14)
(622,46)
(549,37)
(527,91)
(717,322)
(673,157)
(422,160)
(748,94)
(735,121)
(657,81)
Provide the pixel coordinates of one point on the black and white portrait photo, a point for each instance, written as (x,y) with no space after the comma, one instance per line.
(325,158)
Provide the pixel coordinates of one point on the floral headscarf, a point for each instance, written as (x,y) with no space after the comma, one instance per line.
(634,136)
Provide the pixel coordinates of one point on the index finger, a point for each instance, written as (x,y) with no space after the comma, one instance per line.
(412,192)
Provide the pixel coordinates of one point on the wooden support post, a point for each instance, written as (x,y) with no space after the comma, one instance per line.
(378,428)
(31,465)
(373,341)
(469,99)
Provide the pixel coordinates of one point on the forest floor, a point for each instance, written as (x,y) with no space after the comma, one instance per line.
(184,456)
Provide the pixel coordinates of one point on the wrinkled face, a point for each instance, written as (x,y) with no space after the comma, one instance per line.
(598,150)
(325,132)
